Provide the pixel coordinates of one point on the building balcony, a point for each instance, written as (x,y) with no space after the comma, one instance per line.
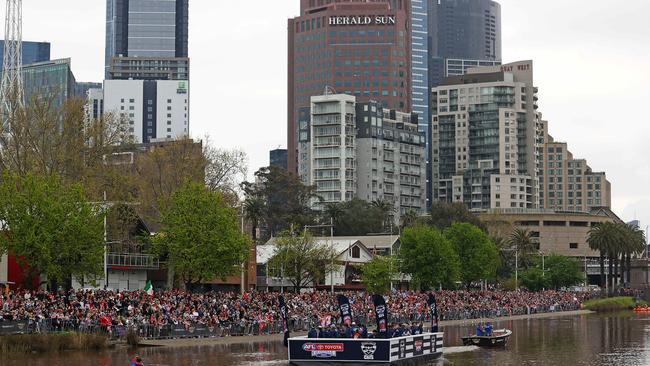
(133,261)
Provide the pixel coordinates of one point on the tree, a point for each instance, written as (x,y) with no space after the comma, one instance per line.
(200,238)
(359,217)
(410,218)
(534,279)
(562,271)
(521,240)
(301,259)
(51,229)
(386,210)
(254,211)
(428,257)
(444,214)
(225,169)
(287,200)
(377,274)
(635,244)
(478,255)
(609,239)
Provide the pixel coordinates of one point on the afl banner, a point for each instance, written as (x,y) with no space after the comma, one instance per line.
(346,311)
(284,320)
(381,313)
(433,311)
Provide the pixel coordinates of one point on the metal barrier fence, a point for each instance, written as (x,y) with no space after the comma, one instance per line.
(241,328)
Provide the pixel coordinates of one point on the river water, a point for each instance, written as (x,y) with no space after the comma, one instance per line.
(595,340)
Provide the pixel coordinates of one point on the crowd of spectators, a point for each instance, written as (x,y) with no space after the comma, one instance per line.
(223,310)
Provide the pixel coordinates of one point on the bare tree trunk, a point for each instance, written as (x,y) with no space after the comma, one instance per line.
(610,281)
(629,268)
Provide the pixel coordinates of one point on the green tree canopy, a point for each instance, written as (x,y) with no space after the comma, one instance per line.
(358,217)
(376,275)
(534,279)
(301,260)
(478,255)
(287,200)
(428,257)
(51,229)
(443,215)
(200,239)
(563,271)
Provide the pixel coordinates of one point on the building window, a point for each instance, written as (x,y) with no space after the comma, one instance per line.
(356,252)
(573,246)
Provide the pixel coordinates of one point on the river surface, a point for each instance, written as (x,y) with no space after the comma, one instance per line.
(595,340)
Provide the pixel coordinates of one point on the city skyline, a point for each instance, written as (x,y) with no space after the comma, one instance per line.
(580,89)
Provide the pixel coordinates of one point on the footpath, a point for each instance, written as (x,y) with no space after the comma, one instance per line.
(194,342)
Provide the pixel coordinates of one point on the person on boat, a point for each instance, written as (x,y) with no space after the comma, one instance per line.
(137,361)
(479,330)
(320,332)
(313,333)
(363,330)
(488,330)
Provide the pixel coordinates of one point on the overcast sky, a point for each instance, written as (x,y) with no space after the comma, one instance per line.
(591,60)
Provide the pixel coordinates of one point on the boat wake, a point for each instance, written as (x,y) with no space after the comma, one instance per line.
(459,349)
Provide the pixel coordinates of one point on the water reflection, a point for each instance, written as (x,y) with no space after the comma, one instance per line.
(568,341)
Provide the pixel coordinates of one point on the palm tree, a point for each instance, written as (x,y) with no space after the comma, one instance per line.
(254,210)
(409,218)
(635,243)
(387,209)
(522,241)
(609,239)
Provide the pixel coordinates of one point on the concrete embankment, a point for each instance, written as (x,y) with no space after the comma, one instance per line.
(278,337)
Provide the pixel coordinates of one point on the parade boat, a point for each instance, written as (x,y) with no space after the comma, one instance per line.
(499,338)
(384,348)
(305,351)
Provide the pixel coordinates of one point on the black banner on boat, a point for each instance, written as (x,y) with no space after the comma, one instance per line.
(284,316)
(346,311)
(433,311)
(381,313)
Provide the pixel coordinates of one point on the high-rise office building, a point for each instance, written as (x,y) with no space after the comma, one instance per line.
(420,93)
(146,28)
(147,67)
(362,150)
(359,48)
(568,183)
(49,80)
(278,158)
(486,134)
(462,30)
(32,52)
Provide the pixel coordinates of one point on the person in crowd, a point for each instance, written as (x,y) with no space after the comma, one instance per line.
(313,333)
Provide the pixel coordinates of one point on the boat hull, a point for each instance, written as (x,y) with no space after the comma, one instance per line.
(488,342)
(408,350)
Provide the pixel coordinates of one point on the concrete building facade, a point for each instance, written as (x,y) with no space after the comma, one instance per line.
(359,48)
(555,232)
(155,110)
(391,158)
(362,150)
(485,138)
(568,183)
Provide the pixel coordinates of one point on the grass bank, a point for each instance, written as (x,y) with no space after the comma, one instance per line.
(612,304)
(43,343)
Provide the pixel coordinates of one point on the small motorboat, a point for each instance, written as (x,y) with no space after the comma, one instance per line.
(499,338)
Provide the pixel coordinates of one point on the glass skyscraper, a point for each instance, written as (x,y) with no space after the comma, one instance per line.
(32,52)
(146,28)
(462,30)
